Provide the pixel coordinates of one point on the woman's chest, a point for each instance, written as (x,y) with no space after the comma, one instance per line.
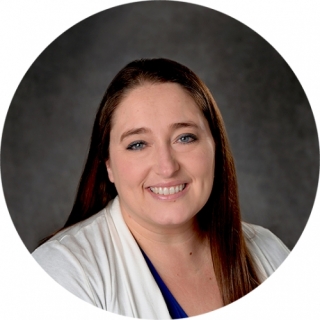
(196,293)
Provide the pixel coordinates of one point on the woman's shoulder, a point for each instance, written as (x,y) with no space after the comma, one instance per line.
(265,247)
(77,237)
(78,257)
(81,230)
(86,238)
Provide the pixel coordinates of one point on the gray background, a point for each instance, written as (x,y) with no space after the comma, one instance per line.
(268,118)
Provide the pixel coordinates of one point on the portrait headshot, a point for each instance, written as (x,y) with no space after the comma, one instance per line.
(159,160)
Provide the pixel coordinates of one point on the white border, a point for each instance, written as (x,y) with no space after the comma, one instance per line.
(28,27)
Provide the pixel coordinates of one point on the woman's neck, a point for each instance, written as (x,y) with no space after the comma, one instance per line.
(172,244)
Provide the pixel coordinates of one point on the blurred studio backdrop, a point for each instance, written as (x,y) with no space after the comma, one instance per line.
(267,115)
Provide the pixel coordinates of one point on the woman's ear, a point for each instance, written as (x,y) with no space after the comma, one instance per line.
(109,170)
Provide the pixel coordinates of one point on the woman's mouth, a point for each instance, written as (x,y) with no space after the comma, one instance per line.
(168,190)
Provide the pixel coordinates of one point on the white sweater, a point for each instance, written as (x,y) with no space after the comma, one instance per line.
(99,261)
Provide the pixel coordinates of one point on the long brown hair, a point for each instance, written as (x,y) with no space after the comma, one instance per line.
(220,218)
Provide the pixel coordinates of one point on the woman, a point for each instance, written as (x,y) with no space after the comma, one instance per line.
(155,231)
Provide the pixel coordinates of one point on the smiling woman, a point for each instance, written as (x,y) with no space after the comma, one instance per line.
(155,230)
(164,161)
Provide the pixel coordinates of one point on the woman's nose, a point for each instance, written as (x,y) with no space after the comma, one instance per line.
(166,163)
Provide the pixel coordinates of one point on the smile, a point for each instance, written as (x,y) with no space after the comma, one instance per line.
(166,191)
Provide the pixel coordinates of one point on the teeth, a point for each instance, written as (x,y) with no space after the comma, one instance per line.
(165,191)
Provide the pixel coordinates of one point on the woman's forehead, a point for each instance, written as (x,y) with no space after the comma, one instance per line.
(155,104)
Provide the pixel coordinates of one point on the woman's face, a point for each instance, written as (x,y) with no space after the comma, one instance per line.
(161,156)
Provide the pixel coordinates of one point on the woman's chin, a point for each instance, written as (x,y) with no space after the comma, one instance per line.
(172,221)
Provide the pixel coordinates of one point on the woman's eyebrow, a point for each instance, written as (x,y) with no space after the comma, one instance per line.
(133,132)
(173,126)
(188,124)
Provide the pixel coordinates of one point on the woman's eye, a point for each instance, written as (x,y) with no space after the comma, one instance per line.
(137,145)
(187,138)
